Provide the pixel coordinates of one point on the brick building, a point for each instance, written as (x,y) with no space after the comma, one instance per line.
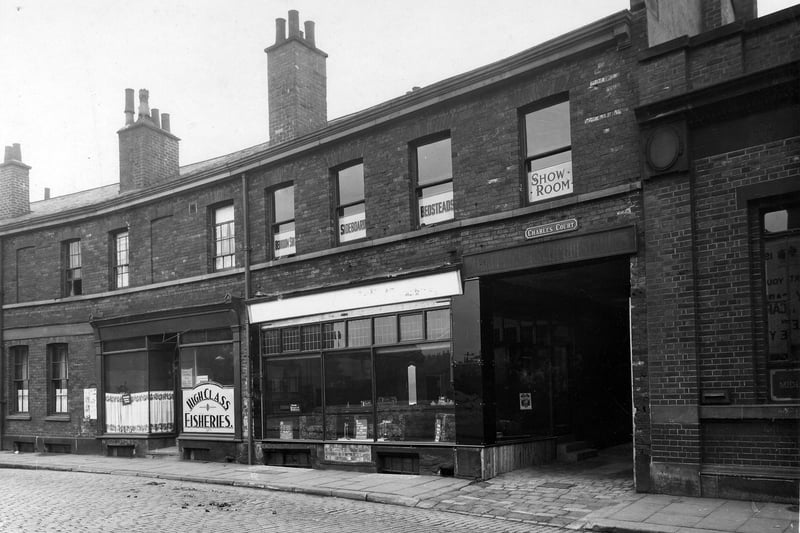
(584,245)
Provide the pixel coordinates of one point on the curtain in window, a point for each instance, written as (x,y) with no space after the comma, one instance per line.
(140,412)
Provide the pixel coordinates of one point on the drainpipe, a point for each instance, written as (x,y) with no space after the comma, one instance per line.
(246,216)
(2,352)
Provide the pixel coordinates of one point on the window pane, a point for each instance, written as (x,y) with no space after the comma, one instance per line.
(351,184)
(411,327)
(294,398)
(223,214)
(284,204)
(385,329)
(200,364)
(437,324)
(75,254)
(415,398)
(333,334)
(434,162)
(547,129)
(312,337)
(359,333)
(271,341)
(348,396)
(291,339)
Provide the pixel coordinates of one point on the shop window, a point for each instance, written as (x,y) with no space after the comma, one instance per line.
(437,324)
(293,398)
(433,169)
(334,335)
(271,341)
(73,277)
(311,337)
(120,260)
(414,393)
(781,242)
(351,211)
(58,389)
(224,238)
(139,387)
(290,339)
(200,364)
(348,396)
(548,152)
(283,231)
(19,387)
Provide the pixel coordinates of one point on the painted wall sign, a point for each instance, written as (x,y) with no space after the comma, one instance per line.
(436,208)
(562,226)
(284,243)
(550,182)
(352,227)
(208,408)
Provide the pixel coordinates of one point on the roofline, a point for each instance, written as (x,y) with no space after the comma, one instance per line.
(614,28)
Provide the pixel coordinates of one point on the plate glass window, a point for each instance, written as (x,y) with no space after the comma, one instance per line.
(351,213)
(121,261)
(73,277)
(19,365)
(548,149)
(283,236)
(781,245)
(224,238)
(434,169)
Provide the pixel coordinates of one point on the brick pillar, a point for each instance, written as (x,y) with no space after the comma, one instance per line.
(297,82)
(672,367)
(14,184)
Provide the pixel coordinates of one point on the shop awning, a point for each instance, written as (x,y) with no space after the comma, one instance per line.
(390,292)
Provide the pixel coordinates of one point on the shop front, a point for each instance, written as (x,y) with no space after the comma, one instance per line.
(365,383)
(170,380)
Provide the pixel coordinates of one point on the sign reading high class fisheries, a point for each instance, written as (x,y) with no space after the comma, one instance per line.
(436,208)
(550,182)
(208,408)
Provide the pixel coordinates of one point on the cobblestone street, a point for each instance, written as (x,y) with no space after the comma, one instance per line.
(46,501)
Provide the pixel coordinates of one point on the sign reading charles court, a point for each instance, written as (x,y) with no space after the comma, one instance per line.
(208,408)
(562,226)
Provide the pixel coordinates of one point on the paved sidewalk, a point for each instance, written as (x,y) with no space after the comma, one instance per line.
(593,496)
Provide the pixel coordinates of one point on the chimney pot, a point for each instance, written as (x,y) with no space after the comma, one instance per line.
(144,105)
(294,23)
(9,154)
(17,152)
(280,30)
(165,122)
(47,193)
(156,117)
(309,26)
(129,107)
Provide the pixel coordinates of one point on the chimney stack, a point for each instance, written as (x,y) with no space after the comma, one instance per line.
(14,184)
(297,81)
(148,153)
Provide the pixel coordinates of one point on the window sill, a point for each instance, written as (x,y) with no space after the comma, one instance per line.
(57,418)
(20,416)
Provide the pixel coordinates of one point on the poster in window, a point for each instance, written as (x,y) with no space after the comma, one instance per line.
(285,243)
(208,408)
(353,227)
(525,403)
(90,404)
(436,208)
(550,182)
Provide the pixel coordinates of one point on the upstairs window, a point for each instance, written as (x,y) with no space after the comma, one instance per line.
(120,260)
(433,165)
(283,236)
(19,388)
(57,393)
(351,214)
(224,238)
(73,279)
(548,152)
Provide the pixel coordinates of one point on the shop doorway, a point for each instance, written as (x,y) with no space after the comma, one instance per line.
(561,347)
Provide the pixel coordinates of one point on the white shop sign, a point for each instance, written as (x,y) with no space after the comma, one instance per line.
(352,227)
(208,408)
(436,208)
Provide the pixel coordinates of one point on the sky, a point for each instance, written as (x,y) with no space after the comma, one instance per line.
(65,65)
